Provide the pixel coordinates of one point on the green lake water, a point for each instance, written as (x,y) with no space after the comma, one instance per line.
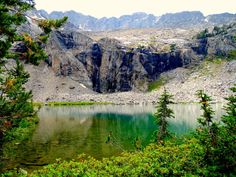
(65,132)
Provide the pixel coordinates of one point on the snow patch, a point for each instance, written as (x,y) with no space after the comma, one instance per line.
(82,85)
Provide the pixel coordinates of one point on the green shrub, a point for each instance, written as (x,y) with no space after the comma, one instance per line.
(234,38)
(15,136)
(24,129)
(168,160)
(232,55)
(156,84)
(172,47)
(74,103)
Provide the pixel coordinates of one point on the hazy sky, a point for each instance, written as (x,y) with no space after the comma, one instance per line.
(108,8)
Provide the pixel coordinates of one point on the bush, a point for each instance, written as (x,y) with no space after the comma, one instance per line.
(155,85)
(232,55)
(168,160)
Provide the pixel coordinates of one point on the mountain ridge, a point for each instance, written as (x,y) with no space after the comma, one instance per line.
(184,19)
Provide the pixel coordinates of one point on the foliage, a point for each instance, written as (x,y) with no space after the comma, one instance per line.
(227,150)
(203,34)
(212,59)
(74,103)
(220,30)
(11,16)
(141,46)
(163,112)
(216,31)
(172,47)
(230,118)
(48,25)
(234,38)
(208,129)
(16,136)
(15,101)
(155,160)
(232,55)
(156,84)
(21,133)
(218,141)
(34,52)
(206,119)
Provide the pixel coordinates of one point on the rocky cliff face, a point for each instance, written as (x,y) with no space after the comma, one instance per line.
(218,42)
(107,65)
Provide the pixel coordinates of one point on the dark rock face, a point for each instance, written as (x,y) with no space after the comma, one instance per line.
(66,40)
(200,47)
(110,66)
(96,57)
(126,72)
(155,63)
(122,70)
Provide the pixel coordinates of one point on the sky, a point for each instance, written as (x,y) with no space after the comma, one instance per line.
(116,8)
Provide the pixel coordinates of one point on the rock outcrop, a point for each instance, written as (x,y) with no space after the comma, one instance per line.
(107,65)
(219,42)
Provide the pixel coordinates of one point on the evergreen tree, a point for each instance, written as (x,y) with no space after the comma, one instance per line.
(206,119)
(217,140)
(208,134)
(206,122)
(15,101)
(227,150)
(163,112)
(230,118)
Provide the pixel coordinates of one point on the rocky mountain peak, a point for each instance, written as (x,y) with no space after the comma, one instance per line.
(186,19)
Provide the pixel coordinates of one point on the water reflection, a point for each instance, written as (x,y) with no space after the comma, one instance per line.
(65,132)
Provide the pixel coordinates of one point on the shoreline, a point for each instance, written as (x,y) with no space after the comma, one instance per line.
(87,103)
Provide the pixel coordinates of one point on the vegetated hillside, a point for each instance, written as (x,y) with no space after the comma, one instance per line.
(81,62)
(186,19)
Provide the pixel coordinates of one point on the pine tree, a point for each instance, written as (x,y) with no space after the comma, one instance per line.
(227,149)
(208,134)
(206,120)
(218,140)
(15,101)
(163,112)
(230,118)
